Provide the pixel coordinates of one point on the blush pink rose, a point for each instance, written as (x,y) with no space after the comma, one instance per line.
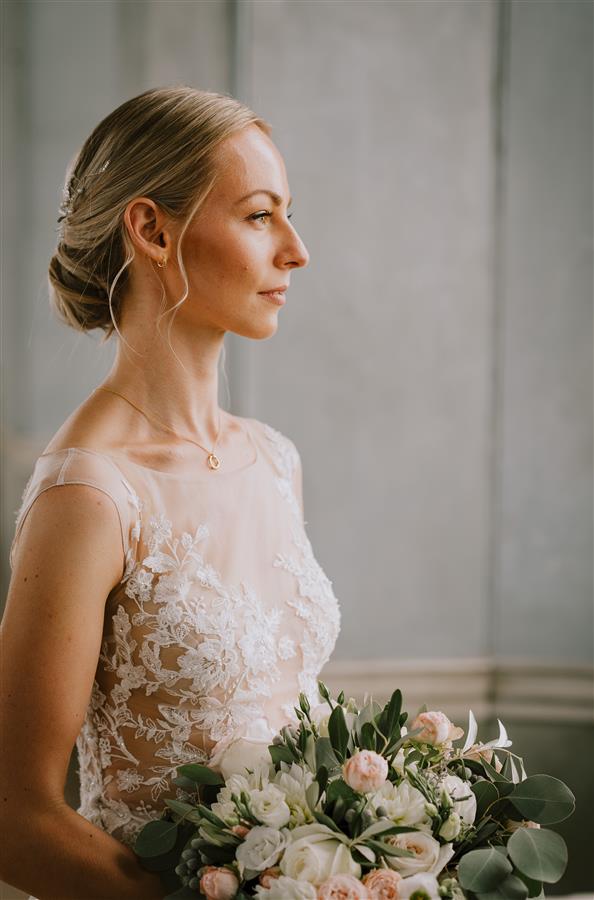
(365,771)
(342,887)
(269,875)
(218,883)
(437,728)
(382,884)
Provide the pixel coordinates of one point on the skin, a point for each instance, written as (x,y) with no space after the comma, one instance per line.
(229,256)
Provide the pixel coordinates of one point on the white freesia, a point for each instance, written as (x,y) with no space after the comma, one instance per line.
(457,789)
(429,856)
(269,807)
(260,850)
(246,749)
(293,780)
(285,888)
(315,852)
(403,803)
(423,886)
(224,807)
(450,829)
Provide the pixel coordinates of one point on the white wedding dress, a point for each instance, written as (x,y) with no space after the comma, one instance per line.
(221,618)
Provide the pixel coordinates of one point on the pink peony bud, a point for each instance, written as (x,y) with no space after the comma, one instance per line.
(218,883)
(342,887)
(437,728)
(365,771)
(382,884)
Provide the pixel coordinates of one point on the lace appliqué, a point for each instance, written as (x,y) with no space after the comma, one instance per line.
(222,648)
(315,603)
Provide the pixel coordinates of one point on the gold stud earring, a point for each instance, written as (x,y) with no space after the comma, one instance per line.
(162,262)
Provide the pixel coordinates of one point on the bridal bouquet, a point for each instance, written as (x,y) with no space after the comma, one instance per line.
(350,804)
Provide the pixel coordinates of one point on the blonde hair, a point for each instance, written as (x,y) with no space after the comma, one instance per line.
(159,144)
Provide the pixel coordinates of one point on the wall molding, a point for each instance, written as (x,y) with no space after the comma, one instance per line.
(513,690)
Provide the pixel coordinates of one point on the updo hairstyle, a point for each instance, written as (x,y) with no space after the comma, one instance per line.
(159,144)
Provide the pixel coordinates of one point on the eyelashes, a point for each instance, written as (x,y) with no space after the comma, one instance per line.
(261,216)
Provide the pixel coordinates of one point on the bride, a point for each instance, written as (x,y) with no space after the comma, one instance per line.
(165,604)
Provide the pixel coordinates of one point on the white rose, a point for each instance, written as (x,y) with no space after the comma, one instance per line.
(260,850)
(429,856)
(269,807)
(423,885)
(224,806)
(314,854)
(247,749)
(450,829)
(404,804)
(456,788)
(284,888)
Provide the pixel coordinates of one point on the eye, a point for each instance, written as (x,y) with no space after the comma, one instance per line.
(265,214)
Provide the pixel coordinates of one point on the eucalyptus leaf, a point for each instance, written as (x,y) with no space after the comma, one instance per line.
(534,887)
(513,888)
(280,753)
(539,853)
(200,774)
(155,838)
(483,870)
(543,798)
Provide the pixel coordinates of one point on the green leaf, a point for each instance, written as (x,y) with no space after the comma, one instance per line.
(367,714)
(323,819)
(184,810)
(185,783)
(368,736)
(339,788)
(390,715)
(155,838)
(338,731)
(538,853)
(366,852)
(384,849)
(200,774)
(486,794)
(325,755)
(534,887)
(279,753)
(322,778)
(513,888)
(312,795)
(483,870)
(543,799)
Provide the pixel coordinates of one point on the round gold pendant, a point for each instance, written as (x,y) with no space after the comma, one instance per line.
(213,461)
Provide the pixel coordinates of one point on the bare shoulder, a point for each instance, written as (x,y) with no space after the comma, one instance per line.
(93,425)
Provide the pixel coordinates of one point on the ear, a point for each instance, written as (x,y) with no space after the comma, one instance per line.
(149,228)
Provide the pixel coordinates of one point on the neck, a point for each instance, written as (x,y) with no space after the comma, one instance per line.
(181,393)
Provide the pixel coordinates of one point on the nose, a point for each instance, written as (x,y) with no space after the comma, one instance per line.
(294,254)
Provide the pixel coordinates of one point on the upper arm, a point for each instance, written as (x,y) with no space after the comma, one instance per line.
(68,558)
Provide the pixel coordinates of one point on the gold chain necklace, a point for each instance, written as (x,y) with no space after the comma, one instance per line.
(213,460)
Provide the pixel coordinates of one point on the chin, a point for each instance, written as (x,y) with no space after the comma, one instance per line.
(258,331)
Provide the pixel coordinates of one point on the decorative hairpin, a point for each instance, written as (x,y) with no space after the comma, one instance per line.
(74,188)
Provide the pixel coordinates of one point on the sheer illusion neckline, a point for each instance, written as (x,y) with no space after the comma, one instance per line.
(198,475)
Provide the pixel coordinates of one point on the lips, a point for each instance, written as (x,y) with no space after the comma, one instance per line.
(276,290)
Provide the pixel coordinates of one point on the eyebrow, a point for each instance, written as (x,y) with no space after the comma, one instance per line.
(275,197)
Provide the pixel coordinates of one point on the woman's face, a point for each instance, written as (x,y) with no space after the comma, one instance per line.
(241,242)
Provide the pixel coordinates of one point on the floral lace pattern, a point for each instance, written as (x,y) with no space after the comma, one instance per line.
(188,658)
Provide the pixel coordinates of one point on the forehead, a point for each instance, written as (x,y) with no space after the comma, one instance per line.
(247,161)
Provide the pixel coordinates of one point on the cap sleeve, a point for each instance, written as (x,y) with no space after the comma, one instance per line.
(80,466)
